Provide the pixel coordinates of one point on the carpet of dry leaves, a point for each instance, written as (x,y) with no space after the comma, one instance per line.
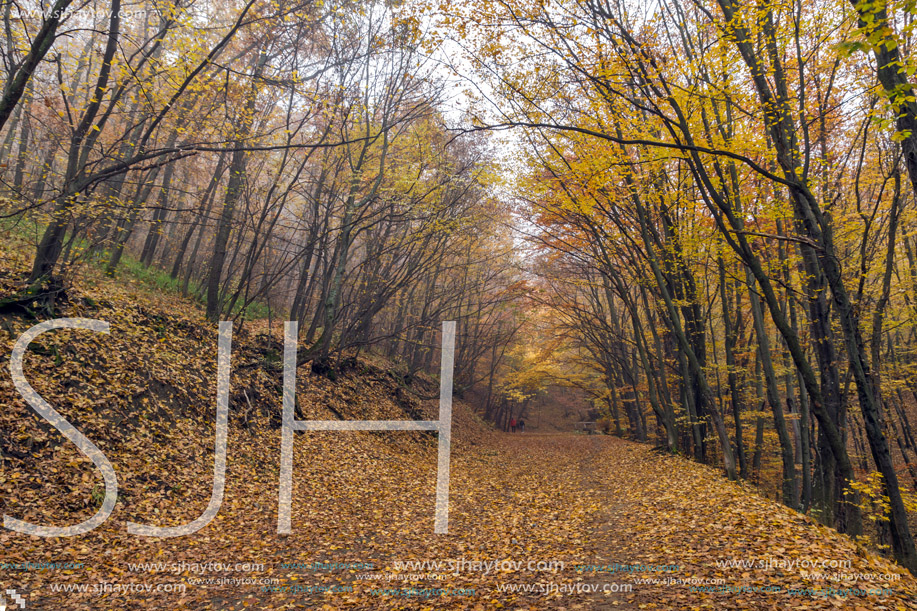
(363,501)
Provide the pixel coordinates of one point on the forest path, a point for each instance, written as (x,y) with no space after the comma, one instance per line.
(684,537)
(559,521)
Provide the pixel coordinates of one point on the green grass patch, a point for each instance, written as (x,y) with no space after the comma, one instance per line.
(21,231)
(163,282)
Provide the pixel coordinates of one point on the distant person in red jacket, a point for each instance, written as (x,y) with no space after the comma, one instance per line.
(512,425)
(521,425)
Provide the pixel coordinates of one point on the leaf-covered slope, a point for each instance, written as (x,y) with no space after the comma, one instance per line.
(145,393)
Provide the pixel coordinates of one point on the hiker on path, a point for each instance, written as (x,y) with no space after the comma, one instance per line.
(512,425)
(521,425)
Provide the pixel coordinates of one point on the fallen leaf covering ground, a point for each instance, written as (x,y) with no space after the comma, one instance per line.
(560,514)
